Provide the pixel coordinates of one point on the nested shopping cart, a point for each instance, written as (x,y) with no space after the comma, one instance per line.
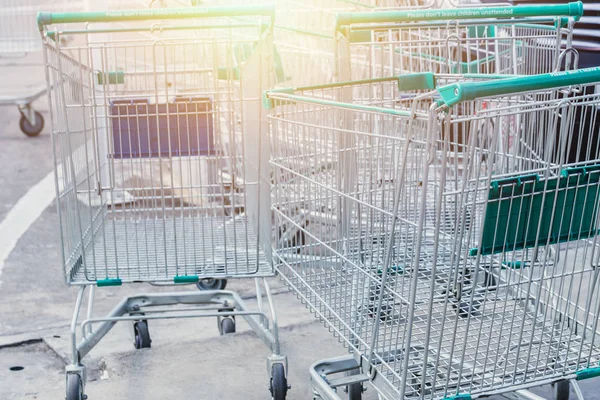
(521,40)
(451,267)
(19,37)
(159,164)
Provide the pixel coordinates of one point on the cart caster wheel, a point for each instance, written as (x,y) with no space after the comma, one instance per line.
(279,385)
(142,335)
(212,284)
(227,326)
(355,390)
(75,388)
(32,130)
(561,390)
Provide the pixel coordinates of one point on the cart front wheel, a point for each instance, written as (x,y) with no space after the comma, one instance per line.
(279,385)
(142,335)
(212,284)
(74,387)
(227,326)
(34,129)
(561,390)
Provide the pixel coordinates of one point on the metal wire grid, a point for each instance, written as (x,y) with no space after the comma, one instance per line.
(149,140)
(523,47)
(474,325)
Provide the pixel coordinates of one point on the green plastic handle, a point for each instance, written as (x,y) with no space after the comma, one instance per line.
(468,91)
(573,9)
(48,18)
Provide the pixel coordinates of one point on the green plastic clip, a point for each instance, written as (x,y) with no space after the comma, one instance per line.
(109,282)
(416,81)
(565,173)
(518,181)
(513,265)
(393,270)
(186,279)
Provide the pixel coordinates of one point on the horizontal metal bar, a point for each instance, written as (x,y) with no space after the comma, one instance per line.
(49,18)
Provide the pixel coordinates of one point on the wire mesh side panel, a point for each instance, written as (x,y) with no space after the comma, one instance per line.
(150,137)
(387,231)
(334,171)
(485,46)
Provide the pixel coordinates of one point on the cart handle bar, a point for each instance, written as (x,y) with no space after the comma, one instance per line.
(573,9)
(48,18)
(468,91)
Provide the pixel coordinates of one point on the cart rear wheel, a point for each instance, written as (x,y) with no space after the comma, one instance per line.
(142,335)
(355,390)
(561,390)
(279,386)
(227,326)
(212,284)
(74,387)
(32,130)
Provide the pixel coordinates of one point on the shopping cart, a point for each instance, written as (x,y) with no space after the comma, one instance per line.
(450,268)
(520,40)
(160,164)
(19,37)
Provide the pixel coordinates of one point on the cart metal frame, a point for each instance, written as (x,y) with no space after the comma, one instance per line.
(400,189)
(167,90)
(513,40)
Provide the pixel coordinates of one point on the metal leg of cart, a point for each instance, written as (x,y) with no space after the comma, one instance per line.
(139,309)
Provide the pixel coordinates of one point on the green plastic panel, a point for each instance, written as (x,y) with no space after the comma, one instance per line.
(111,78)
(186,279)
(525,212)
(109,282)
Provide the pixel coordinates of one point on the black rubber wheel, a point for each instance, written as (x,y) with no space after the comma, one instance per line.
(227,326)
(212,284)
(142,335)
(29,129)
(279,386)
(355,390)
(561,390)
(74,387)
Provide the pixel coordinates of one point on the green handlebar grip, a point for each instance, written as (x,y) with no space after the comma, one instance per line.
(48,18)
(573,9)
(468,91)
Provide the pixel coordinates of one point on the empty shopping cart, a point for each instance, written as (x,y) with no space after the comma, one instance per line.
(159,159)
(451,268)
(520,40)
